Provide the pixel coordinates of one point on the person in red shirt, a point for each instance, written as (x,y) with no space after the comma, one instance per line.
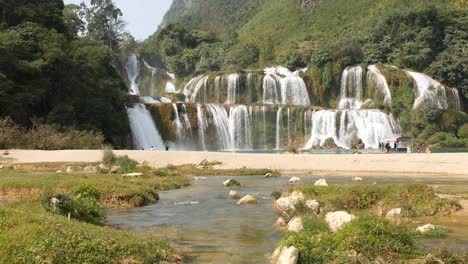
(418,147)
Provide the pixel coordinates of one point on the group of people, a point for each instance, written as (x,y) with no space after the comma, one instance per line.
(387,147)
(152,148)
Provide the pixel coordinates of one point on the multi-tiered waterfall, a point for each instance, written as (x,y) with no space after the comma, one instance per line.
(272,110)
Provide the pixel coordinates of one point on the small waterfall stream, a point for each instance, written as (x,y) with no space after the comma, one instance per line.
(145,135)
(375,76)
(351,88)
(428,91)
(133,74)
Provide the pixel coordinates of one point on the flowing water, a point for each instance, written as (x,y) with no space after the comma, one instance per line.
(374,76)
(428,90)
(351,88)
(206,226)
(133,73)
(145,135)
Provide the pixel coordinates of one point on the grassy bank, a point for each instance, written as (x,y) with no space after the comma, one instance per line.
(370,237)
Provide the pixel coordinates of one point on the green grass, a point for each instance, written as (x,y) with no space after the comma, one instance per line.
(29,234)
(414,199)
(191,170)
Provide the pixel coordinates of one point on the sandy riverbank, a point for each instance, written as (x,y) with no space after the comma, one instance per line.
(437,164)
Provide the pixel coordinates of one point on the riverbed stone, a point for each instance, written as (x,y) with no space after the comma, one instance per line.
(288,203)
(69,170)
(425,228)
(313,205)
(294,180)
(133,175)
(103,167)
(357,179)
(59,171)
(394,213)
(234,194)
(231,183)
(115,169)
(336,220)
(281,221)
(90,169)
(285,255)
(321,182)
(295,225)
(268,175)
(247,200)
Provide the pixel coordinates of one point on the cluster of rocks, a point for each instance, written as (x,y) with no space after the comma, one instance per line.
(93,169)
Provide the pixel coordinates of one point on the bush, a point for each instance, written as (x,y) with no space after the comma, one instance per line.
(453,141)
(436,138)
(124,162)
(82,204)
(463,131)
(108,157)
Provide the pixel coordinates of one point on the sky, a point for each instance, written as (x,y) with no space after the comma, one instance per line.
(142,16)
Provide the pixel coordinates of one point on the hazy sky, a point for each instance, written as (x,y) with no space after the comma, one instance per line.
(142,16)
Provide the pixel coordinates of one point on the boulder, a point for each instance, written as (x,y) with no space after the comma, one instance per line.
(281,221)
(287,203)
(295,225)
(336,220)
(199,178)
(69,170)
(115,169)
(2,167)
(357,179)
(234,194)
(294,180)
(247,200)
(133,175)
(313,205)
(285,255)
(394,213)
(425,228)
(90,169)
(103,167)
(321,182)
(268,175)
(231,183)
(59,171)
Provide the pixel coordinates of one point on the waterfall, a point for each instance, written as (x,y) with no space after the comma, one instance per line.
(233,88)
(428,91)
(270,90)
(202,126)
(217,83)
(294,91)
(351,88)
(133,73)
(289,127)
(279,121)
(190,85)
(308,115)
(170,87)
(323,128)
(187,127)
(456,99)
(201,83)
(221,124)
(144,132)
(177,124)
(153,78)
(240,127)
(264,127)
(375,76)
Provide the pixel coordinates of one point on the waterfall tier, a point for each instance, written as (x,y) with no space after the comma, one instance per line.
(145,135)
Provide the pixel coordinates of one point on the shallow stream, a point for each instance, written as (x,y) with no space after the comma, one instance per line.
(207,226)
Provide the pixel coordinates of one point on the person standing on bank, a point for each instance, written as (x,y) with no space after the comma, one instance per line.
(418,147)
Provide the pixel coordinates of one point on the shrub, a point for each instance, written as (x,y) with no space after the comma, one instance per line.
(463,131)
(82,204)
(108,157)
(436,138)
(453,141)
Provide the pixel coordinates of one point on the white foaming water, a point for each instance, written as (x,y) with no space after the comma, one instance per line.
(323,128)
(289,126)
(153,78)
(271,89)
(144,132)
(217,83)
(177,124)
(240,127)
(221,124)
(232,88)
(351,88)
(202,126)
(188,89)
(428,91)
(279,121)
(202,83)
(294,91)
(456,99)
(187,127)
(133,73)
(375,76)
(170,87)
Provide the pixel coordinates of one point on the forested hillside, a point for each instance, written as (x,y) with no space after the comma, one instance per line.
(59,77)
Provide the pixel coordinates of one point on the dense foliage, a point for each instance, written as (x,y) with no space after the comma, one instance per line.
(47,71)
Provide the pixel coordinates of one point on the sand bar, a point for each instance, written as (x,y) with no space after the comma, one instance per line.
(436,164)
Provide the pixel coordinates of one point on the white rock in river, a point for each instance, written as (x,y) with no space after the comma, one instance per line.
(281,221)
(336,220)
(295,225)
(133,175)
(286,203)
(394,213)
(90,169)
(247,200)
(69,170)
(321,182)
(285,255)
(234,194)
(425,228)
(231,182)
(313,205)
(294,180)
(357,179)
(268,175)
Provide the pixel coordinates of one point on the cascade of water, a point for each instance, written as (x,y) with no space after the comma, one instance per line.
(428,91)
(177,124)
(264,127)
(202,126)
(188,88)
(351,88)
(323,128)
(170,87)
(294,91)
(187,127)
(145,135)
(217,83)
(456,99)
(201,83)
(133,73)
(375,76)
(308,115)
(153,78)
(232,88)
(279,121)
(271,89)
(221,123)
(240,127)
(289,127)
